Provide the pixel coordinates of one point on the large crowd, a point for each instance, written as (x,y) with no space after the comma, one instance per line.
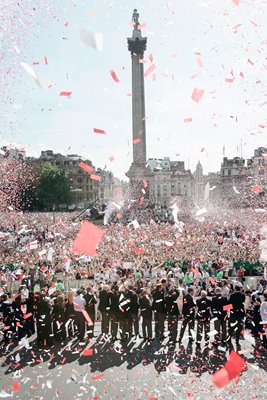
(193,271)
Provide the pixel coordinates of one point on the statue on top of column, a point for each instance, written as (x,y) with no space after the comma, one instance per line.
(135,19)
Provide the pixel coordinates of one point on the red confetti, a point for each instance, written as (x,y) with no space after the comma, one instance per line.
(87,239)
(212,281)
(228,307)
(101,131)
(195,271)
(138,250)
(66,23)
(229,80)
(111,158)
(188,120)
(150,70)
(141,201)
(16,387)
(88,352)
(142,26)
(197,94)
(145,183)
(95,177)
(45,60)
(96,377)
(257,189)
(65,94)
(114,76)
(135,141)
(86,167)
(236,2)
(150,57)
(87,318)
(26,316)
(232,368)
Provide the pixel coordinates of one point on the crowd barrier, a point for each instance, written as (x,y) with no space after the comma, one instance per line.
(13,287)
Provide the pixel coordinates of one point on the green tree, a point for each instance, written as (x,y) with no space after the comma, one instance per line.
(53,187)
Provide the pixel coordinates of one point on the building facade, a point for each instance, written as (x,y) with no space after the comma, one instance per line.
(167,180)
(83,189)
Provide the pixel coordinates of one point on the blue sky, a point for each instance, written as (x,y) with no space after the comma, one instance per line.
(232,41)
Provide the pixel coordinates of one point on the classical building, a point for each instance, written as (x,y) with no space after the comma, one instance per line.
(82,188)
(237,182)
(167,180)
(233,171)
(257,166)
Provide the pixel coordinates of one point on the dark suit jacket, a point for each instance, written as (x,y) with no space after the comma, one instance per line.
(188,307)
(203,309)
(145,307)
(158,301)
(104,301)
(171,304)
(134,306)
(237,300)
(217,304)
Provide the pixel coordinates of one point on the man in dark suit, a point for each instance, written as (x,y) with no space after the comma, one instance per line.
(158,306)
(220,314)
(134,307)
(237,314)
(91,301)
(145,304)
(203,317)
(188,315)
(172,314)
(104,308)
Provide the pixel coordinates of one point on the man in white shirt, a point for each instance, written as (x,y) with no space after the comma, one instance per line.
(79,305)
(224,289)
(24,292)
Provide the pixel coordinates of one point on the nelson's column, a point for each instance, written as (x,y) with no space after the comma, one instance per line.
(137,171)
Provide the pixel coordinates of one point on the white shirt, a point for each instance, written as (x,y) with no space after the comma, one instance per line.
(79,303)
(263,311)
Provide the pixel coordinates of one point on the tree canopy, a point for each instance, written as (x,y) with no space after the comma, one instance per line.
(53,187)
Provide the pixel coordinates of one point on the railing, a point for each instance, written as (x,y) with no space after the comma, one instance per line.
(13,287)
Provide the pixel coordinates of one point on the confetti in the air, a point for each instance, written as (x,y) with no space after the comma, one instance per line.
(197,94)
(114,76)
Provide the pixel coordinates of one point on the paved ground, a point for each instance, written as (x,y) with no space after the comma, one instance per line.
(134,371)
